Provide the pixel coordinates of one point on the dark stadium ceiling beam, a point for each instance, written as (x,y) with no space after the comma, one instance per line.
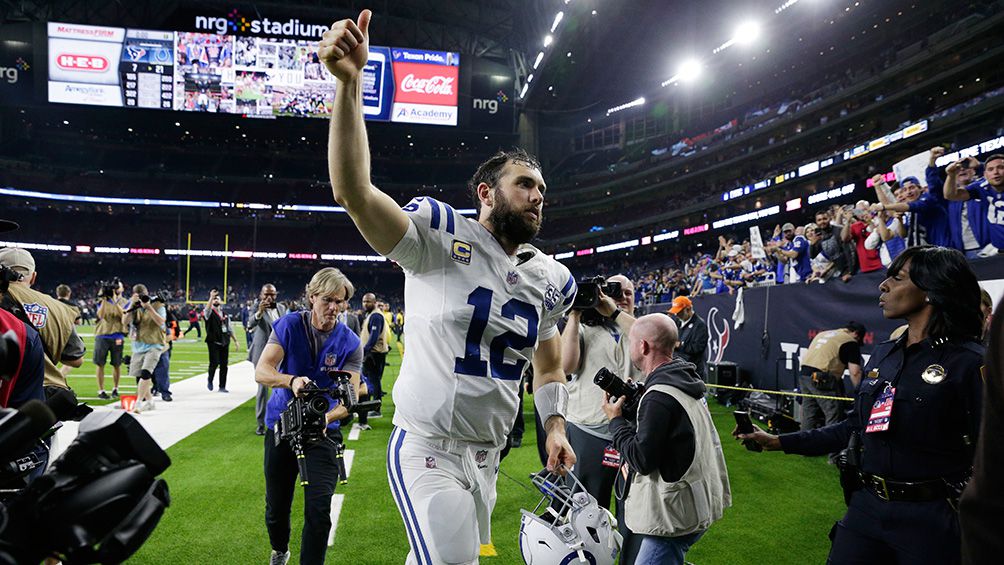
(101,12)
(484,28)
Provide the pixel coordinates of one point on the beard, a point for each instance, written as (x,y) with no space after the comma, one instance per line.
(511,224)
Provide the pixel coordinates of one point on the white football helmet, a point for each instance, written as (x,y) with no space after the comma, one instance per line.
(567,526)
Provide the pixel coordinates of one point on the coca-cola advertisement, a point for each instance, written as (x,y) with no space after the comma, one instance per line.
(419,83)
(426,86)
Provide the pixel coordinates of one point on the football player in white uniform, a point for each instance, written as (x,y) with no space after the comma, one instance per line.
(481,303)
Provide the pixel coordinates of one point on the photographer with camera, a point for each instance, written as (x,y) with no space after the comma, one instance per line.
(678,484)
(53,319)
(305,352)
(146,318)
(219,334)
(595,338)
(110,334)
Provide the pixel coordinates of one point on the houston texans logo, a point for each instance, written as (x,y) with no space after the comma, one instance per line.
(717,343)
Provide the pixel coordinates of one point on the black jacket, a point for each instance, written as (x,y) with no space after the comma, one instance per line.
(663,437)
(694,344)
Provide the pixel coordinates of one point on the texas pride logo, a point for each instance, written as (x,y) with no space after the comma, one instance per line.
(74,62)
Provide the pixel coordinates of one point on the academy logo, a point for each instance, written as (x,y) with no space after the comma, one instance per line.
(38,314)
(237,23)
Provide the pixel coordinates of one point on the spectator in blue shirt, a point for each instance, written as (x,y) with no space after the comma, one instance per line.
(966,228)
(989,190)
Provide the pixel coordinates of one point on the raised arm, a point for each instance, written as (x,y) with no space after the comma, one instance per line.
(952,192)
(344,50)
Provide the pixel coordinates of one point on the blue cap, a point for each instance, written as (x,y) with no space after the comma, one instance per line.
(909,179)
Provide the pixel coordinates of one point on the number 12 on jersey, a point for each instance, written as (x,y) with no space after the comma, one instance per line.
(472,364)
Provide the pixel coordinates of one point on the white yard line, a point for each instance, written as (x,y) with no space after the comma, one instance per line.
(194,407)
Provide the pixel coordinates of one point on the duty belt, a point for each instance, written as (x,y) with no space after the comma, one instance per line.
(903,491)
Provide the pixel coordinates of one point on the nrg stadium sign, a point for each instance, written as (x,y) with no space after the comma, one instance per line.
(236,23)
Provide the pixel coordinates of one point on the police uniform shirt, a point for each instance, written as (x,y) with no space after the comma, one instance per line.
(934,423)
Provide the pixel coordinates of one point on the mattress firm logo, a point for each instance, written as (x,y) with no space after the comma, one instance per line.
(239,24)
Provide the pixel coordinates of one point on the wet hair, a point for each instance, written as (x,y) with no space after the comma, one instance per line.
(951,287)
(490,171)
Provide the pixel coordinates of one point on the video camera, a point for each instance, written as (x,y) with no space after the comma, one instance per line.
(588,295)
(109,288)
(631,391)
(97,503)
(303,421)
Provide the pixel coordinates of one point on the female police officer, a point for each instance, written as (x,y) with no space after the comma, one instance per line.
(916,416)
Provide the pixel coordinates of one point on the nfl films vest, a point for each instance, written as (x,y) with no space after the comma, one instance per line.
(147,329)
(693,503)
(110,320)
(381,343)
(299,359)
(54,322)
(599,349)
(824,351)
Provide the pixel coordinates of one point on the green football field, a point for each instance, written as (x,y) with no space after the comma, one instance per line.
(783,506)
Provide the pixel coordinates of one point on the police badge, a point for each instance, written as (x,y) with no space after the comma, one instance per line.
(933,374)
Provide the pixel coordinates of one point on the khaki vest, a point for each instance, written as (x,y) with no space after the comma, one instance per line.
(381,343)
(698,499)
(110,319)
(147,329)
(824,351)
(599,349)
(54,322)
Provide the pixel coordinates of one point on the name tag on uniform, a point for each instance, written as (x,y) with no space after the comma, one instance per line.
(611,457)
(225,329)
(878,420)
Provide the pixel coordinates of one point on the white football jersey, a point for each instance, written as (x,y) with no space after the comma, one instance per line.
(475,315)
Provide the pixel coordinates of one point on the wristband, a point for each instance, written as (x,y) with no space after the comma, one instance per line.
(613,317)
(291,379)
(551,400)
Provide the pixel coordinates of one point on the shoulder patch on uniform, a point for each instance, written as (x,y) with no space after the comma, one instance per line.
(37,313)
(551,296)
(461,252)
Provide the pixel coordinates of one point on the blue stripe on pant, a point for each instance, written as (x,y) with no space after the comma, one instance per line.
(396,477)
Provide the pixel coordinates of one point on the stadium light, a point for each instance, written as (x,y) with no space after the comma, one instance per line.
(746,32)
(529,79)
(548,39)
(522,92)
(557,20)
(536,62)
(689,70)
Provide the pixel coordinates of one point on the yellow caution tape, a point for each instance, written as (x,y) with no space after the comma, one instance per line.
(782,392)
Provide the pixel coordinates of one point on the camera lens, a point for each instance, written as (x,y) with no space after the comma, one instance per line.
(317,406)
(610,383)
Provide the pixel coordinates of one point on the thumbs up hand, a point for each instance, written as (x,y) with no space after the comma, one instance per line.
(345,47)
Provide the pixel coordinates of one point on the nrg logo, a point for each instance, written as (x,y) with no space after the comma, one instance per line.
(491,104)
(10,74)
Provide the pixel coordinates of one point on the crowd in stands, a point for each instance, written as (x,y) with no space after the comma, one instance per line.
(949,208)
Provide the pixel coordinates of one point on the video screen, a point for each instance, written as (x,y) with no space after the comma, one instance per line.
(251,76)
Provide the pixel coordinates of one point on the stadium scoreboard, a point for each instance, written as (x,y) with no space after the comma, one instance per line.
(234,74)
